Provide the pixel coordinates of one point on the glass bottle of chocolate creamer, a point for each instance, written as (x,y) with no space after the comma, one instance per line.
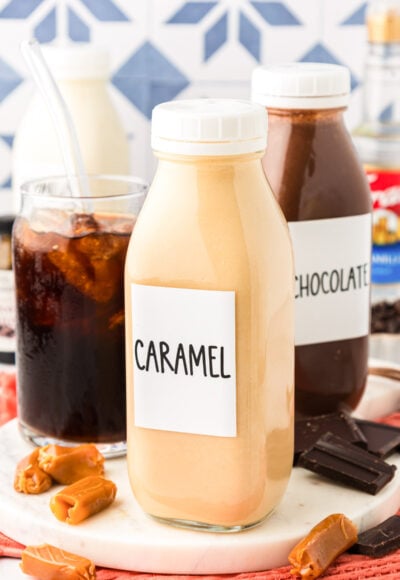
(319,182)
(209,318)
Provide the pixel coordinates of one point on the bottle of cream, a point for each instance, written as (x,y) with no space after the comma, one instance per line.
(82,73)
(209,303)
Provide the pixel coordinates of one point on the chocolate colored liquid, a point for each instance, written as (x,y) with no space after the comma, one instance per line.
(70,325)
(313,170)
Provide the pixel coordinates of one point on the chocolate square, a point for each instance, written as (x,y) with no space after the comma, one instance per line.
(308,431)
(379,540)
(340,461)
(382,440)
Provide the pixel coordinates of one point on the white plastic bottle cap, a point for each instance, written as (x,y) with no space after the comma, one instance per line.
(209,127)
(78,61)
(303,85)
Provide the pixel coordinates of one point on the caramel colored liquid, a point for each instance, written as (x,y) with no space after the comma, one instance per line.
(214,224)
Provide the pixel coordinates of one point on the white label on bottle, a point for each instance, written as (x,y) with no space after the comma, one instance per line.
(332,262)
(184,357)
(7,311)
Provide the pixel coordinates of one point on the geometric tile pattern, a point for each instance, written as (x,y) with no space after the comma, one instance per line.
(276,13)
(249,31)
(250,36)
(148,78)
(6,142)
(105,10)
(387,114)
(319,53)
(191,12)
(216,36)
(10,80)
(78,30)
(357,17)
(45,30)
(18,9)
(161,50)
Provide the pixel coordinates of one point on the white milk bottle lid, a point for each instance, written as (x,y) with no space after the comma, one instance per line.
(209,127)
(78,61)
(304,85)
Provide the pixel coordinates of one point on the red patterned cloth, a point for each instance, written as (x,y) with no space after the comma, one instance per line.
(8,396)
(393,419)
(9,548)
(346,567)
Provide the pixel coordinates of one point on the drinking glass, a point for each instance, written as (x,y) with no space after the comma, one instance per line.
(69,254)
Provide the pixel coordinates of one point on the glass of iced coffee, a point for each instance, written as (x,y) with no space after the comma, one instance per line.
(69,254)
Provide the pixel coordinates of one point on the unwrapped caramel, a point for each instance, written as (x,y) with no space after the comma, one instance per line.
(82,499)
(50,563)
(29,477)
(325,542)
(69,464)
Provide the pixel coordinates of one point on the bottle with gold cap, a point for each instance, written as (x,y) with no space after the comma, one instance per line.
(377,139)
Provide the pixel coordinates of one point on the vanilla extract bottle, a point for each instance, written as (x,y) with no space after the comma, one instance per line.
(377,139)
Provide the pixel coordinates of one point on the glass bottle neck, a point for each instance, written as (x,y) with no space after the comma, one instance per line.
(205,162)
(200,175)
(381,90)
(383,50)
(297,116)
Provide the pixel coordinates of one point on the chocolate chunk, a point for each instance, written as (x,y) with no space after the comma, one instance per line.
(382,440)
(385,317)
(335,458)
(308,431)
(379,540)
(6,331)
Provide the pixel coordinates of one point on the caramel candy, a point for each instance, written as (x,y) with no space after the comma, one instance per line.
(82,499)
(69,464)
(325,542)
(50,563)
(29,478)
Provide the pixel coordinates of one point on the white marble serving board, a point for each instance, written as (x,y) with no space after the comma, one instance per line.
(8,368)
(123,537)
(10,570)
(382,395)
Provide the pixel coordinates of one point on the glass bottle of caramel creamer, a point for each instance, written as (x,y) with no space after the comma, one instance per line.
(209,324)
(320,184)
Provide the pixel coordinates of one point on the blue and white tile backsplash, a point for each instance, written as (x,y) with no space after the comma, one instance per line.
(166,49)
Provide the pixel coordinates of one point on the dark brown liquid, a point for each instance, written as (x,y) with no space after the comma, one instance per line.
(313,170)
(70,327)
